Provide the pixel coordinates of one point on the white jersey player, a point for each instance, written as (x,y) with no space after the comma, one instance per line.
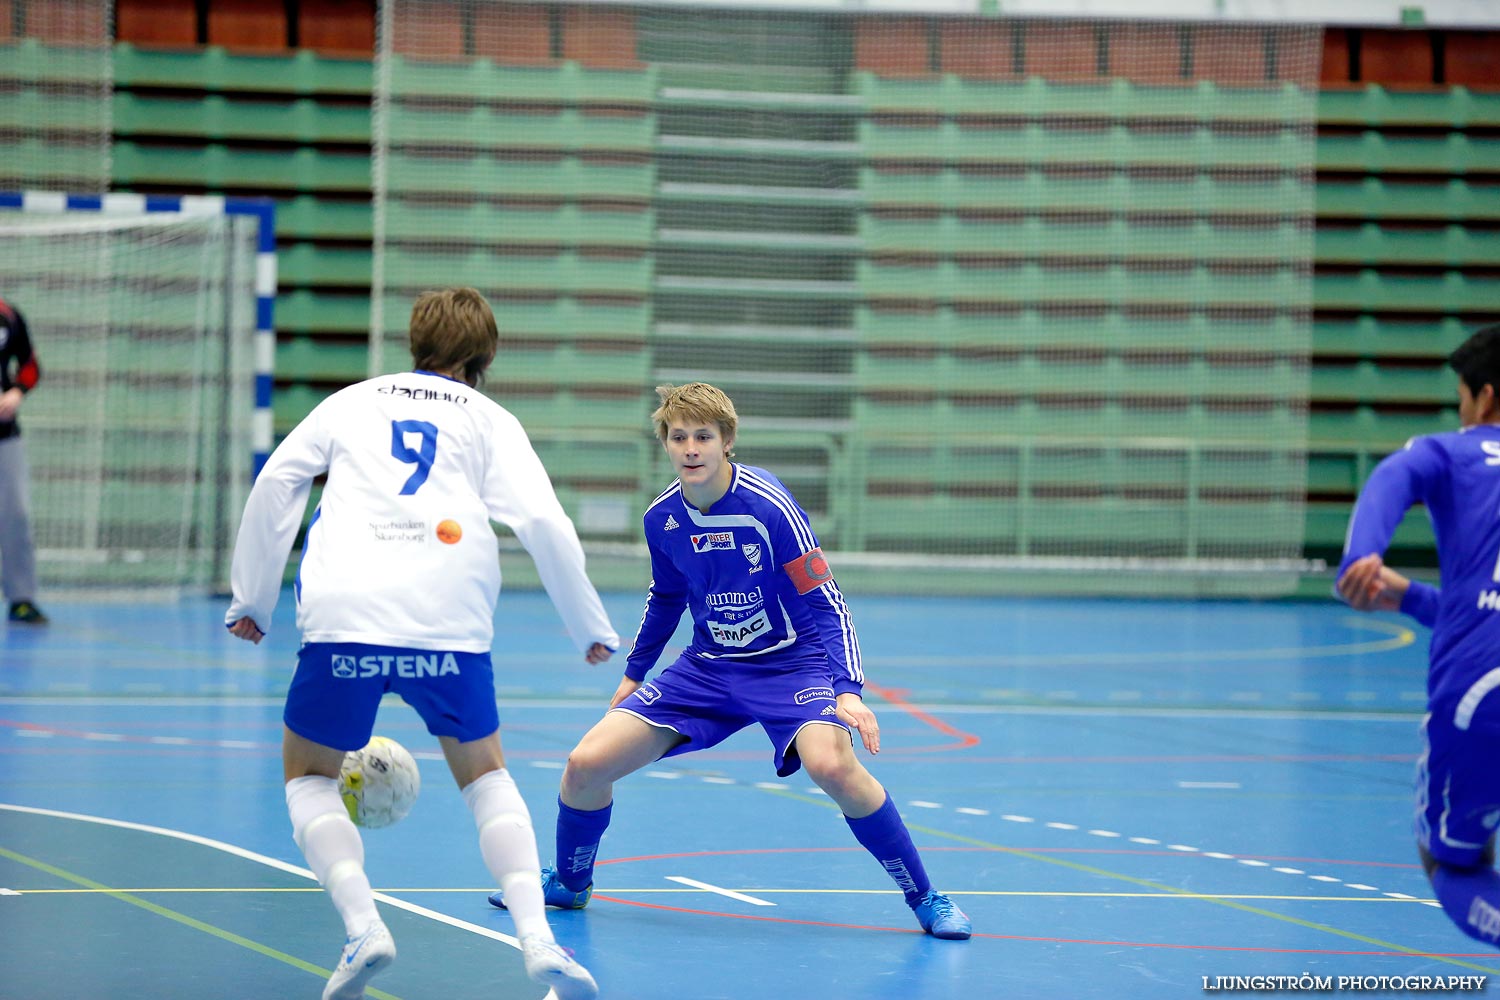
(396,592)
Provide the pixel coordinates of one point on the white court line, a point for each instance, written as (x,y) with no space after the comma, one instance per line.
(1208,784)
(721,891)
(279,865)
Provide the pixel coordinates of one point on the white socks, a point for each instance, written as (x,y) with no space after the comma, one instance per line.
(508,844)
(330,842)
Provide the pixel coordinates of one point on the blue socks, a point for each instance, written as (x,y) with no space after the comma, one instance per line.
(578,834)
(1471,898)
(884,835)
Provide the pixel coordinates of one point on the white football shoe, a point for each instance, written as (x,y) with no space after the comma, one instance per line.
(550,964)
(361,958)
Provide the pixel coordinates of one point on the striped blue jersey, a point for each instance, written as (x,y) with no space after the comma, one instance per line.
(753,576)
(1457,476)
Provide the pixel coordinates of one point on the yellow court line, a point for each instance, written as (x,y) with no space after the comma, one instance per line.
(1156,886)
(763,891)
(182,918)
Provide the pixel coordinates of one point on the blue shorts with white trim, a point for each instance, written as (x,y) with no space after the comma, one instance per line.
(1458,782)
(708,701)
(338,686)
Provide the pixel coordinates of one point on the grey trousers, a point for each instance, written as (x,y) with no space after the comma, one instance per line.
(17,553)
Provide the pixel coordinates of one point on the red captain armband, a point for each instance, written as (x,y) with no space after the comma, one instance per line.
(809,571)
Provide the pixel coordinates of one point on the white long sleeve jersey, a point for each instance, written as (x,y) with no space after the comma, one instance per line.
(400,551)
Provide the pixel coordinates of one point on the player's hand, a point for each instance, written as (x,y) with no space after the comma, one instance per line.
(855,714)
(246,629)
(10,403)
(627,688)
(598,653)
(1370,585)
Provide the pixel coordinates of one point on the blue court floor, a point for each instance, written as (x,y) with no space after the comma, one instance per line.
(1126,797)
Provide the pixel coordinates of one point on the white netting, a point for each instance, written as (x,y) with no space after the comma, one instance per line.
(138,433)
(56,91)
(1009,292)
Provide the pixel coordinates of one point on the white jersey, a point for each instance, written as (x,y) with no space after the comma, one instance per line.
(400,551)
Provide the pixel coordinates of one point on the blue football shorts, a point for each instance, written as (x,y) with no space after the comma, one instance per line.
(708,701)
(338,686)
(1458,784)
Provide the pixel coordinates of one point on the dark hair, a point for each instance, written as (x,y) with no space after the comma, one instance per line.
(452,329)
(1477,360)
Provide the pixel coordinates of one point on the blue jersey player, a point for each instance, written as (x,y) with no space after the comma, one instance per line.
(773,643)
(1457,477)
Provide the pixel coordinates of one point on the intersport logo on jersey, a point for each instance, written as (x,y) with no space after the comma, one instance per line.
(713,540)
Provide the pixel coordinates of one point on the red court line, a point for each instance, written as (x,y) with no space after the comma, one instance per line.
(897,697)
(1047,940)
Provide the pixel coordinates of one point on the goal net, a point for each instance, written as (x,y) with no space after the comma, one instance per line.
(1009,303)
(139,434)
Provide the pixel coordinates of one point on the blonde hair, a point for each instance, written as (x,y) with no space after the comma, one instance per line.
(453,329)
(695,403)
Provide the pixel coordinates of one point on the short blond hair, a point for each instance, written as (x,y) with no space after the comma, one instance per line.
(695,403)
(453,329)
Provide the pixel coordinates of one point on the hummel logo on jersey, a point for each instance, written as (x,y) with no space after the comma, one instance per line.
(671,523)
(713,540)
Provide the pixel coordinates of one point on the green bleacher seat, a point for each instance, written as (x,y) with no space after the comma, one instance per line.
(1030,283)
(305,264)
(572,409)
(1372,428)
(217,167)
(217,70)
(1370,290)
(28,62)
(308,217)
(216,117)
(492,128)
(1035,191)
(1370,244)
(1373,337)
(528,364)
(564,318)
(1327,522)
(1057,145)
(1368,382)
(564,271)
(482,80)
(1116,238)
(290,404)
(323,359)
(565,177)
(544,223)
(1374,106)
(1454,199)
(30,109)
(1116,99)
(1376,153)
(303,310)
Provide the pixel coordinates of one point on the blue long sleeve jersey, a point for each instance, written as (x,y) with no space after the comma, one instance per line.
(753,575)
(1457,476)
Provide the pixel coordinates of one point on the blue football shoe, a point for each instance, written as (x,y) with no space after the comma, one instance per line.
(940,918)
(554,893)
